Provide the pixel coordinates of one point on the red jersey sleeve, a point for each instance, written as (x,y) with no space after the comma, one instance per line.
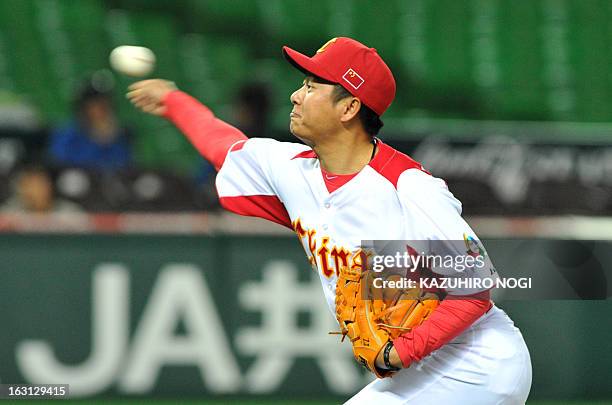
(453,316)
(211,136)
(246,182)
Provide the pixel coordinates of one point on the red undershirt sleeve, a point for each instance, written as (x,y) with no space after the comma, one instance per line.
(211,136)
(453,316)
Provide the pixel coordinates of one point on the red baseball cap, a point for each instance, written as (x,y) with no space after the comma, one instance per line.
(354,66)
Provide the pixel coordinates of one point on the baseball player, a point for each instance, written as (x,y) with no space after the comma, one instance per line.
(343,185)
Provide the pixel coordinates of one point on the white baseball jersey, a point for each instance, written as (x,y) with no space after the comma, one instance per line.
(391,198)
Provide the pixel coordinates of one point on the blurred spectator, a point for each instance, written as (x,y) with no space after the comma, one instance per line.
(94,139)
(206,192)
(33,192)
(251,114)
(252,110)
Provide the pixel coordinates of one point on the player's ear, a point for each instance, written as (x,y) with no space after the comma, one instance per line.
(350,108)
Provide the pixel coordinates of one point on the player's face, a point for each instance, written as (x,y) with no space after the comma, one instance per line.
(315,114)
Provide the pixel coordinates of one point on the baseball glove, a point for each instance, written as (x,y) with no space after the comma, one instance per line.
(371,317)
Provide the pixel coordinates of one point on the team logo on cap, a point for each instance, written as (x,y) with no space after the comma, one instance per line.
(353,79)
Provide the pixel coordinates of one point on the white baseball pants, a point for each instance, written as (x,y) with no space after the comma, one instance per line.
(488,364)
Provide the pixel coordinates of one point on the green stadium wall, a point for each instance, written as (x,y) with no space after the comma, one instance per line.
(225,316)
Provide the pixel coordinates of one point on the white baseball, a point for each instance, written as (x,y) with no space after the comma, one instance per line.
(135,61)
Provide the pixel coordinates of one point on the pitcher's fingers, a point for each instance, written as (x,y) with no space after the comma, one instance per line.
(142,103)
(151,108)
(140,84)
(135,93)
(140,97)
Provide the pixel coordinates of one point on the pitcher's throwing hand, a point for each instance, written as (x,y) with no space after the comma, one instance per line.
(148,95)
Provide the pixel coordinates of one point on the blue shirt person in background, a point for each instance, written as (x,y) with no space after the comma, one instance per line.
(94,139)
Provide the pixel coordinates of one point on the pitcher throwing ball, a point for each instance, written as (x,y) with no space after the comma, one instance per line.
(341,186)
